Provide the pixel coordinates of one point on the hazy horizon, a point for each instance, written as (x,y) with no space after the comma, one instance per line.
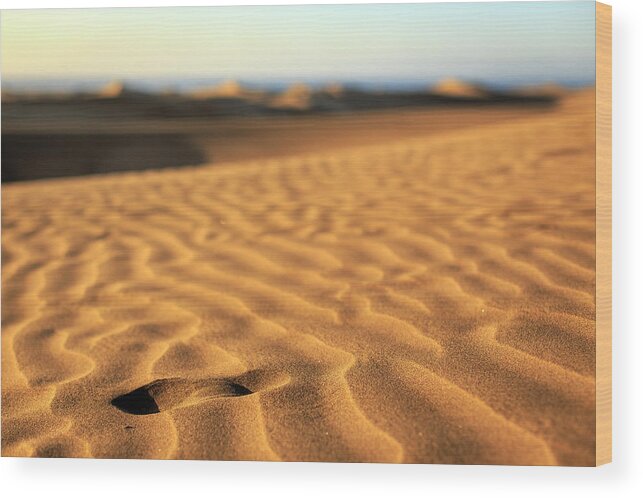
(162,84)
(404,45)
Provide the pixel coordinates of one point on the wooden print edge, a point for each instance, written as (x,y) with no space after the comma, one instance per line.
(603,233)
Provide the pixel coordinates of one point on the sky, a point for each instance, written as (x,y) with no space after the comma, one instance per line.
(502,42)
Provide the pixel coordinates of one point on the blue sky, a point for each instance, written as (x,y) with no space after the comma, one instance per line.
(494,42)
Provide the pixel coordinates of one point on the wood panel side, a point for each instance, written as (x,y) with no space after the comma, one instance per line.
(603,233)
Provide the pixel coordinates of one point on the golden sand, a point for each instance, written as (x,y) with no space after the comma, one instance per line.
(423,300)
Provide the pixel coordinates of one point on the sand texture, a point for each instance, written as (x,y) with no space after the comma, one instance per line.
(428,299)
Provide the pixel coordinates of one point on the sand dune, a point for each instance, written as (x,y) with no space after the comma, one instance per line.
(229,89)
(453,87)
(423,300)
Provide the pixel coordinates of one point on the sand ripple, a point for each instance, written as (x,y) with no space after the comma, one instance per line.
(430,300)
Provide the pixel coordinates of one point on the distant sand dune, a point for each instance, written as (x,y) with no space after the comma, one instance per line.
(452,87)
(298,96)
(229,89)
(426,300)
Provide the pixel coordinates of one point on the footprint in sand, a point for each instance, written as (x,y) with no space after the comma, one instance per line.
(165,394)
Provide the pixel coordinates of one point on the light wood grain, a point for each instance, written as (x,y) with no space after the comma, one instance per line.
(603,234)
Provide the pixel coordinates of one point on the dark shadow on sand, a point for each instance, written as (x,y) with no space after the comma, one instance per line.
(137,402)
(31,156)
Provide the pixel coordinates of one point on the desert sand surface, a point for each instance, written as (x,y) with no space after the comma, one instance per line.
(426,298)
(120,129)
